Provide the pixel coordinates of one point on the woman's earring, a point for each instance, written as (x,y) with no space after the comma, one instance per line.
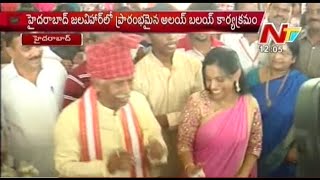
(238,89)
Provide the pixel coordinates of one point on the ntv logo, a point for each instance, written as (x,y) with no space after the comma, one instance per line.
(285,34)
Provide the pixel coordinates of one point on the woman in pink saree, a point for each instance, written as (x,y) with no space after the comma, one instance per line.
(220,132)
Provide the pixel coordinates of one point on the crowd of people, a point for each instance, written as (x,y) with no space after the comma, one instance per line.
(156,105)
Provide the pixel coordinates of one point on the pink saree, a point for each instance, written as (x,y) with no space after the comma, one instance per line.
(220,143)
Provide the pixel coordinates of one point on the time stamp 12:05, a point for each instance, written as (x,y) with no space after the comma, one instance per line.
(267,48)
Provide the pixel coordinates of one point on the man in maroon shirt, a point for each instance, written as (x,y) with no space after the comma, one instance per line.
(77,82)
(78,79)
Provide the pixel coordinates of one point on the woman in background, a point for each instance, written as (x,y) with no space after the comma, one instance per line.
(276,88)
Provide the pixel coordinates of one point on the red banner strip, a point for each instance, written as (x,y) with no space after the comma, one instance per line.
(138,22)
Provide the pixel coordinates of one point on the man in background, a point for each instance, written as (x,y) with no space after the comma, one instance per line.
(308,61)
(67,54)
(278,13)
(245,44)
(167,77)
(199,44)
(78,79)
(31,98)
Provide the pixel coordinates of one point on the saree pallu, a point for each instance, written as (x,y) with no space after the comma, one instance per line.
(221,142)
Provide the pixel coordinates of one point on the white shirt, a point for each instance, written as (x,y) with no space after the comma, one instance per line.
(30,112)
(249,54)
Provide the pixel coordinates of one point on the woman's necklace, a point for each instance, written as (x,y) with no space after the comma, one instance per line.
(283,82)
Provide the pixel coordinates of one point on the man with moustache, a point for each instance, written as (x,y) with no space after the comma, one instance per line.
(278,13)
(110,131)
(32,90)
(167,77)
(308,61)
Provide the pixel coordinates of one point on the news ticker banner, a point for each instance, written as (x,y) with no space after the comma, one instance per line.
(137,22)
(131,22)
